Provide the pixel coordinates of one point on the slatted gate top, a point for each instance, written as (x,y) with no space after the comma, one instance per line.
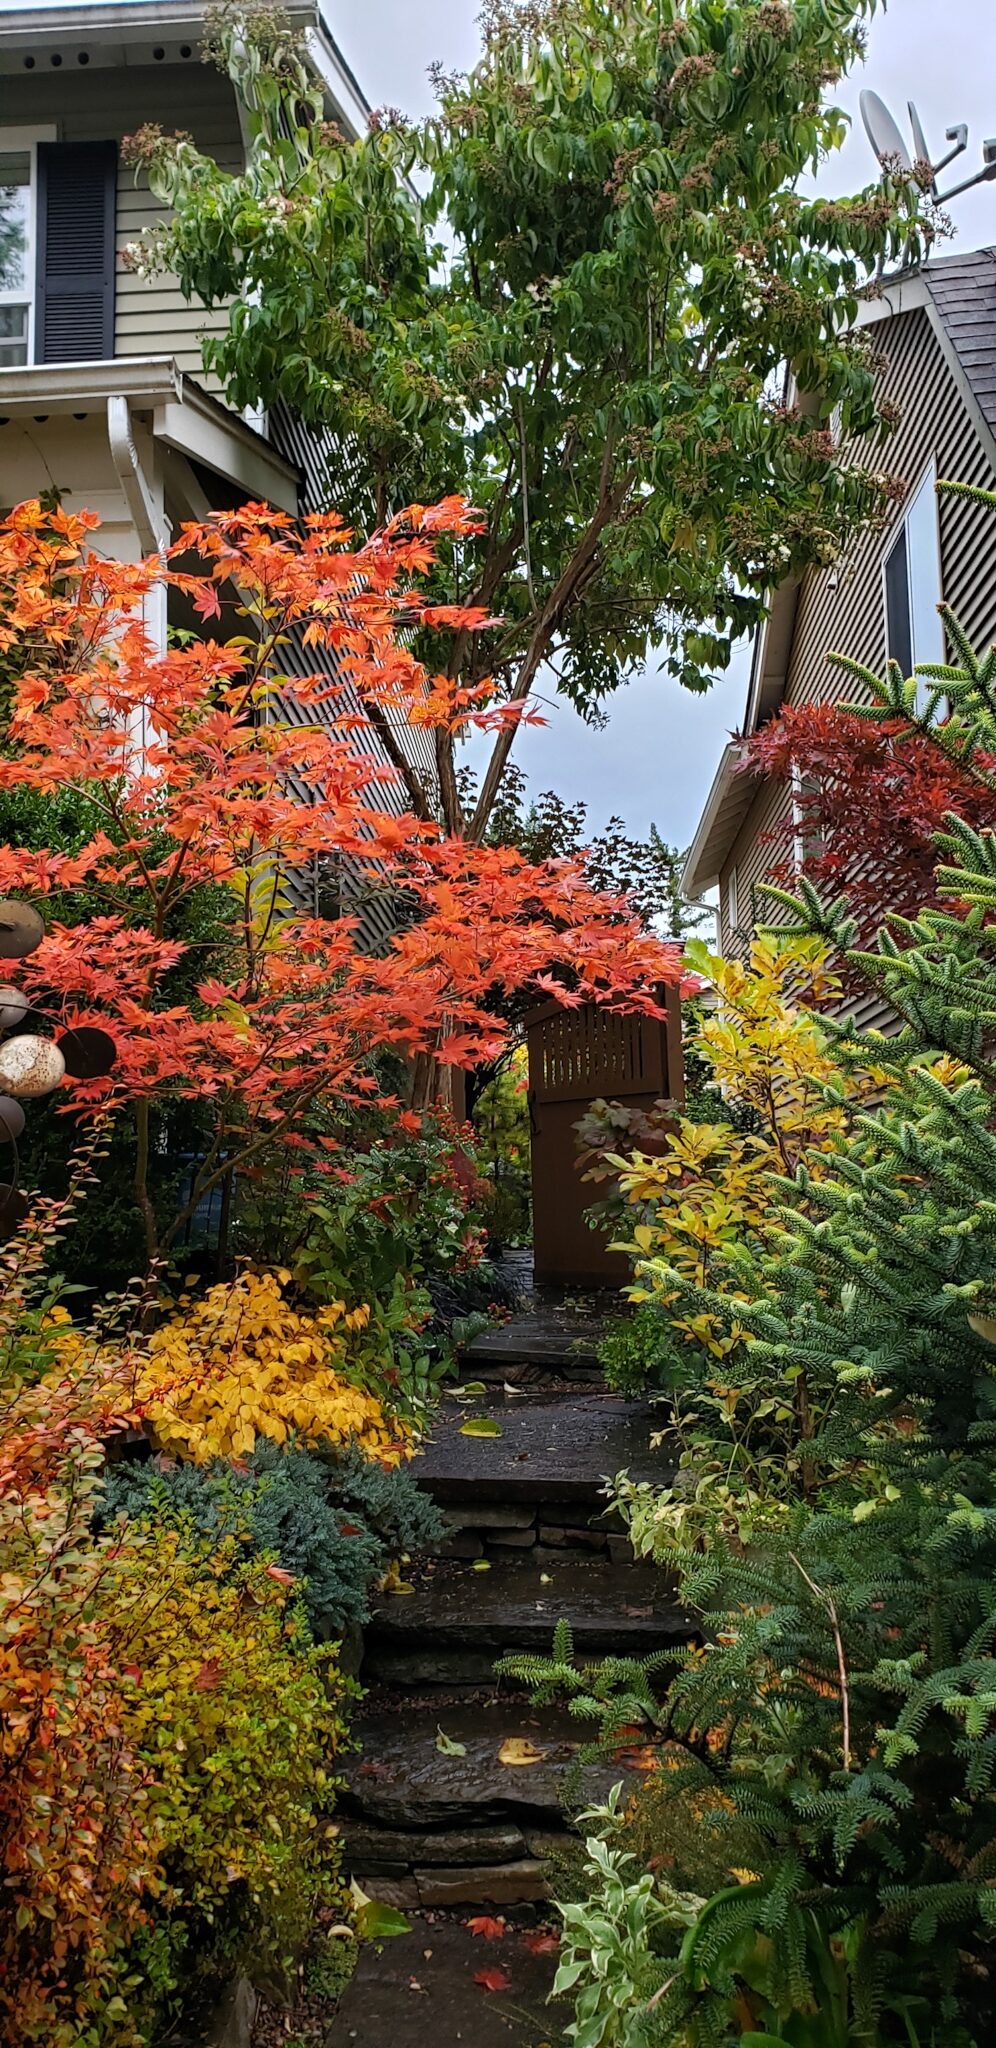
(576,1055)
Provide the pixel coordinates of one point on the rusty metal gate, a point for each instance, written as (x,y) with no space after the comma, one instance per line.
(576,1057)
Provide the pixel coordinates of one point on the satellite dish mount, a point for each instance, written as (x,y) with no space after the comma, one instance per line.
(887,141)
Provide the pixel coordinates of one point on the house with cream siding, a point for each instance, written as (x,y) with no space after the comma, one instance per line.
(103,397)
(935,333)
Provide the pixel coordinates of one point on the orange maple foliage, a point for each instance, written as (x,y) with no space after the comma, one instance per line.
(212,764)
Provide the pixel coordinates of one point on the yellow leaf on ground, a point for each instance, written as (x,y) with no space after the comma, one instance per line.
(517,1750)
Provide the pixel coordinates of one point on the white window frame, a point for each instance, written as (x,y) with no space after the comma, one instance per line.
(15,142)
(926,481)
(733,902)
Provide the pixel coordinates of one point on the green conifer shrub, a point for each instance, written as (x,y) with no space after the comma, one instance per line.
(834,1743)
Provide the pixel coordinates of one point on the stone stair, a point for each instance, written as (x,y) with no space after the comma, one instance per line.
(529,1540)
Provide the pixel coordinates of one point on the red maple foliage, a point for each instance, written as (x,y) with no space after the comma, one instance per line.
(869,799)
(210,766)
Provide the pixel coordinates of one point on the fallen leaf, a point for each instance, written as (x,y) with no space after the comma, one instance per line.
(446,1746)
(517,1750)
(638,1613)
(476,1388)
(541,1943)
(546,1579)
(480,1425)
(488,1928)
(414,1985)
(375,1921)
(480,1564)
(492,1980)
(643,1757)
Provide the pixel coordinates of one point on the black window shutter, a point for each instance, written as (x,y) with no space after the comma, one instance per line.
(74,303)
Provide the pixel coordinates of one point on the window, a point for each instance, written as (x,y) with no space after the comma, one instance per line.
(16,256)
(914,633)
(57,204)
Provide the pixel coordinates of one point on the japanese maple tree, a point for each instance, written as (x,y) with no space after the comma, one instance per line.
(868,800)
(209,767)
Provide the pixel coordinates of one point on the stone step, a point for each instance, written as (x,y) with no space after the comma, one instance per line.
(421,1827)
(456,1625)
(558,1341)
(559,1450)
(423,1990)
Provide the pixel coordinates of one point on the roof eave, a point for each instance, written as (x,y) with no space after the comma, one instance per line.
(729,800)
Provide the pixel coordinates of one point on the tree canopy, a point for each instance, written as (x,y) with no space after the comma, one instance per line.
(570,295)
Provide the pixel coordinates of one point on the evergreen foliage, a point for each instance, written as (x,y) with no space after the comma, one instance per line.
(836,1739)
(333,1522)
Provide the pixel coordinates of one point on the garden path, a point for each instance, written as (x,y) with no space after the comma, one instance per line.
(454,1809)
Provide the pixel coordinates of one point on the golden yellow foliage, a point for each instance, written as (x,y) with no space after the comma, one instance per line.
(710,1186)
(241,1363)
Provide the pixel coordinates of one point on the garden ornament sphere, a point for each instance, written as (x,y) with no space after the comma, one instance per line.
(21,929)
(12,1120)
(89,1053)
(14,1006)
(30,1066)
(14,1207)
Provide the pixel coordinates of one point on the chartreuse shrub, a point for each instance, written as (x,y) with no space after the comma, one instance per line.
(824,1803)
(394,1225)
(235,1719)
(334,1522)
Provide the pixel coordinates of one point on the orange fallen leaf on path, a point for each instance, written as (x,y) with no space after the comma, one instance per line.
(643,1757)
(488,1928)
(541,1943)
(492,1980)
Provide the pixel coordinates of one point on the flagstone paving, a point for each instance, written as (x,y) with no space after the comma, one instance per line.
(461,1790)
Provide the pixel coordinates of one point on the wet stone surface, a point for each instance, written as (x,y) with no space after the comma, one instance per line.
(548,1451)
(402,1781)
(516,1605)
(419,1991)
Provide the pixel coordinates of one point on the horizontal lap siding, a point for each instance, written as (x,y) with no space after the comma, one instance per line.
(322,458)
(842,609)
(151,316)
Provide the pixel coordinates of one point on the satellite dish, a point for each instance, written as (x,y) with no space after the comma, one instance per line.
(882,132)
(921,152)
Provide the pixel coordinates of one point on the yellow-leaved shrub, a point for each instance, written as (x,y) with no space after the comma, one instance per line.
(242,1363)
(709,1185)
(234,1719)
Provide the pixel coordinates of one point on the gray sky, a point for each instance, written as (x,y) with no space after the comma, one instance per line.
(656,759)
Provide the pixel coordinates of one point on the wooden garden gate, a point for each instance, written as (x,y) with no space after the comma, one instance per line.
(575,1057)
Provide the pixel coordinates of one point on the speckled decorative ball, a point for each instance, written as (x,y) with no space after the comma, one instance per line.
(30,1065)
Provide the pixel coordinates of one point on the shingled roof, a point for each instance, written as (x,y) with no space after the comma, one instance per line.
(963,291)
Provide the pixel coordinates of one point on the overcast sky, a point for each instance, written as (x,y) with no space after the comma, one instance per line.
(656,759)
